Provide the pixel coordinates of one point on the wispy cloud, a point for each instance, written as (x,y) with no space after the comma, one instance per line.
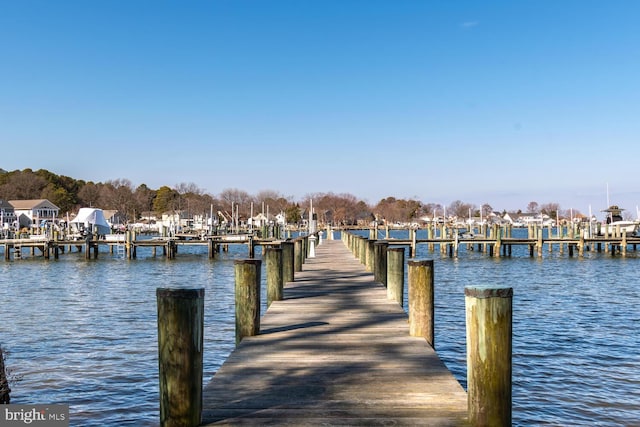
(469,24)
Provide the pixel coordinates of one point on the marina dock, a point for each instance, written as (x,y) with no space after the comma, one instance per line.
(495,242)
(125,245)
(334,351)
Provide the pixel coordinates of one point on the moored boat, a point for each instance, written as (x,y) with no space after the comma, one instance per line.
(614,223)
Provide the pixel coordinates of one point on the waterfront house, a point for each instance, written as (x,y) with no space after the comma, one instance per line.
(175,220)
(149,216)
(526,219)
(33,212)
(259,220)
(7,214)
(114,217)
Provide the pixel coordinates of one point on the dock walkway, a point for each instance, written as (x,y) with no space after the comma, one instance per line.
(335,351)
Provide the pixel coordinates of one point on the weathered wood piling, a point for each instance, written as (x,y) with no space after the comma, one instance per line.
(180,347)
(287,261)
(489,350)
(275,283)
(395,275)
(247,297)
(5,390)
(421,300)
(380,261)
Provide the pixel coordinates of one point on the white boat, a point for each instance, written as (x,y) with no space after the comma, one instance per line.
(614,223)
(90,220)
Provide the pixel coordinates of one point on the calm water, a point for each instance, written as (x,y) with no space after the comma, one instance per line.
(84,332)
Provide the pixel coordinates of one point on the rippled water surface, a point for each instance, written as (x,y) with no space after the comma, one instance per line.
(84,332)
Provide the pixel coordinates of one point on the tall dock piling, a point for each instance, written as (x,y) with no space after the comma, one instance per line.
(421,300)
(395,275)
(287,261)
(275,284)
(247,286)
(298,255)
(180,345)
(489,349)
(370,255)
(380,262)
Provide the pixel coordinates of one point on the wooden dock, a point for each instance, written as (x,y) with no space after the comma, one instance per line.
(495,242)
(127,245)
(335,351)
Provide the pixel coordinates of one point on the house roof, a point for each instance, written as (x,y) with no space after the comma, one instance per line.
(109,213)
(32,204)
(5,205)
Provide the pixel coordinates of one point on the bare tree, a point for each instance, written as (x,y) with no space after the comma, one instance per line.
(550,209)
(271,199)
(460,209)
(189,188)
(431,208)
(387,209)
(334,208)
(22,185)
(89,194)
(237,197)
(118,194)
(486,209)
(199,204)
(398,210)
(571,213)
(533,207)
(143,197)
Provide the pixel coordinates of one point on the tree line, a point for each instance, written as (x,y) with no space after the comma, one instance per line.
(133,202)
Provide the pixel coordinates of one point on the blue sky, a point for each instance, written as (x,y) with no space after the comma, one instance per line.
(485,102)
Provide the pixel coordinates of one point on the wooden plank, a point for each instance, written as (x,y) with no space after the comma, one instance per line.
(335,351)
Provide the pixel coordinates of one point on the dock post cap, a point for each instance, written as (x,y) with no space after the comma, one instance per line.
(488,291)
(247,261)
(180,292)
(419,262)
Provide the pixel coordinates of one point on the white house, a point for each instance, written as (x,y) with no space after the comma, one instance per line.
(175,220)
(32,212)
(7,214)
(525,219)
(259,220)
